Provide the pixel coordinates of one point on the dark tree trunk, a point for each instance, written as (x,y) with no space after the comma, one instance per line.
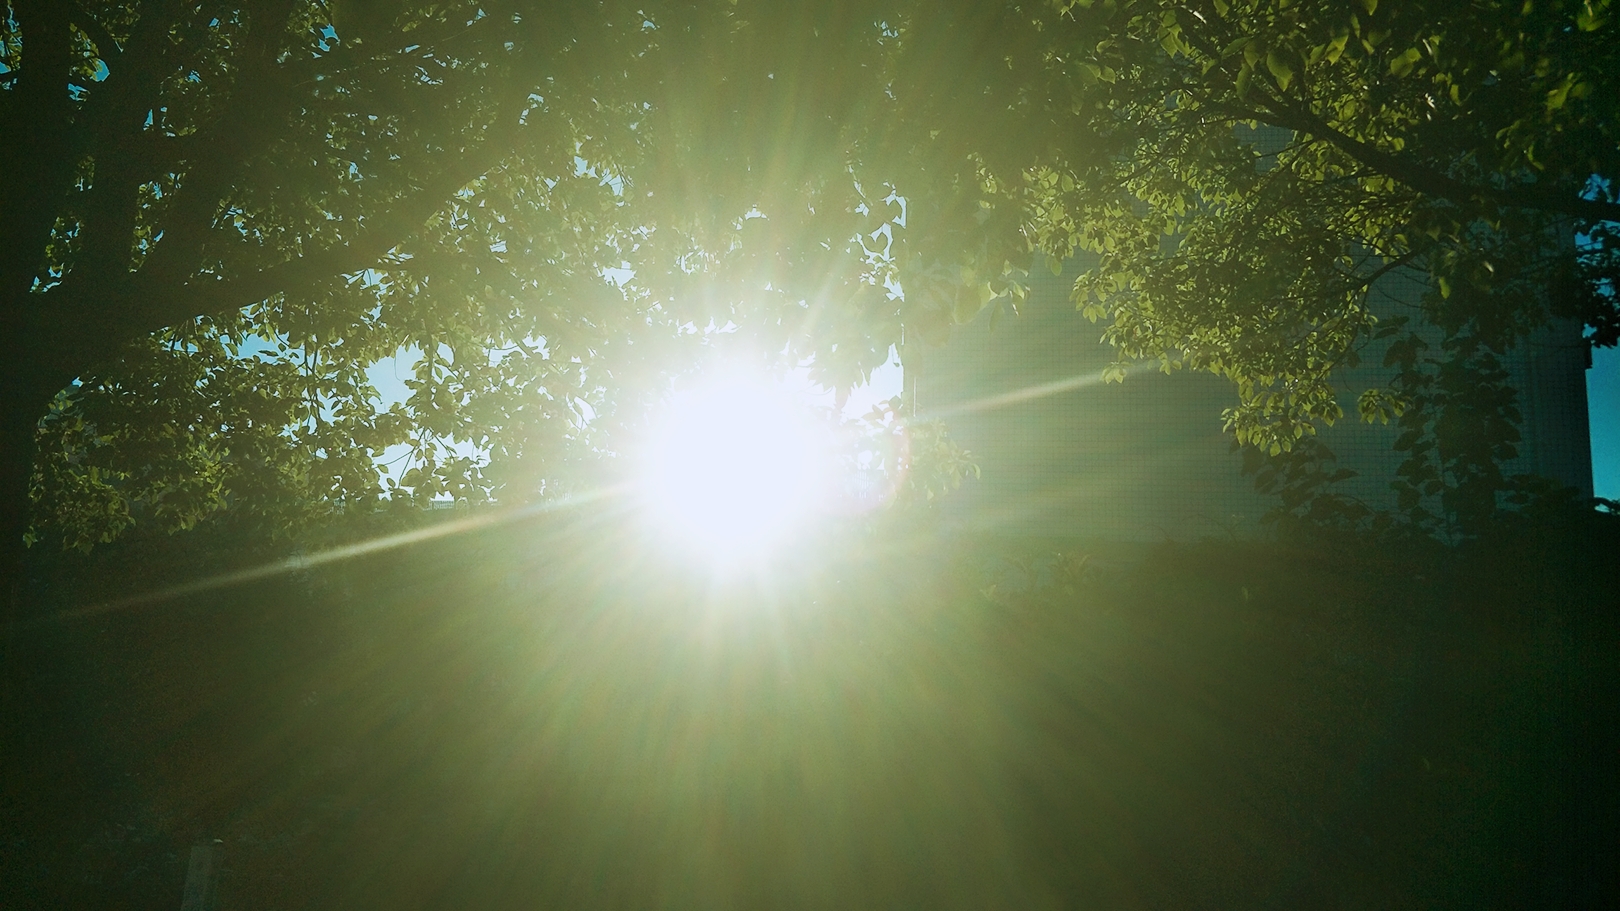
(27,384)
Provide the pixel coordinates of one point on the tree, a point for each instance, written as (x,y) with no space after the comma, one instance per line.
(1471,142)
(319,184)
(173,164)
(218,215)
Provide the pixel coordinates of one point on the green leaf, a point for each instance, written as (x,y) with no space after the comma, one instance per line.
(1281,68)
(1403,64)
(1560,94)
(1335,48)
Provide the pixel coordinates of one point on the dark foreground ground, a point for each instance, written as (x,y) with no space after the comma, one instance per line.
(546,716)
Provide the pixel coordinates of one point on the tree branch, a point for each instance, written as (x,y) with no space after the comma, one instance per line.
(1280,111)
(151,299)
(107,47)
(135,79)
(40,167)
(262,99)
(1428,181)
(268,89)
(156,306)
(110,124)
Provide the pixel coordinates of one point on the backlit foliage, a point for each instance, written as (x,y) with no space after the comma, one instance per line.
(217,216)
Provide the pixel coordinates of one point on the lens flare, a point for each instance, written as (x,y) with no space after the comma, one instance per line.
(733,467)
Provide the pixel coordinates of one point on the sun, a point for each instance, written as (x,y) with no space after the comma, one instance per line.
(734,466)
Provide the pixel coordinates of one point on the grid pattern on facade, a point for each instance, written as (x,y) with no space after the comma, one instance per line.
(1141,459)
(1147,459)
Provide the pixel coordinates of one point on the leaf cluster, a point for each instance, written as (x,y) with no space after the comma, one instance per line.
(225,214)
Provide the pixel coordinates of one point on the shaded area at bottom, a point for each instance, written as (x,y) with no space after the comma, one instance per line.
(518,719)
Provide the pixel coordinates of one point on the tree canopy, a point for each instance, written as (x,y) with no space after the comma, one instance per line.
(224,214)
(218,215)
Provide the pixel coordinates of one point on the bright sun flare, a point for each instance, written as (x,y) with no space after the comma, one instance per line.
(733,466)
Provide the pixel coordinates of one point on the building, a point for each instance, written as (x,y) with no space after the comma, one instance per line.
(1063,454)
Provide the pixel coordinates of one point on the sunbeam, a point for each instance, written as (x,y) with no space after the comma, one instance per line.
(300,562)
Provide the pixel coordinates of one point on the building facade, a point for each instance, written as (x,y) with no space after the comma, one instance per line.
(1063,454)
